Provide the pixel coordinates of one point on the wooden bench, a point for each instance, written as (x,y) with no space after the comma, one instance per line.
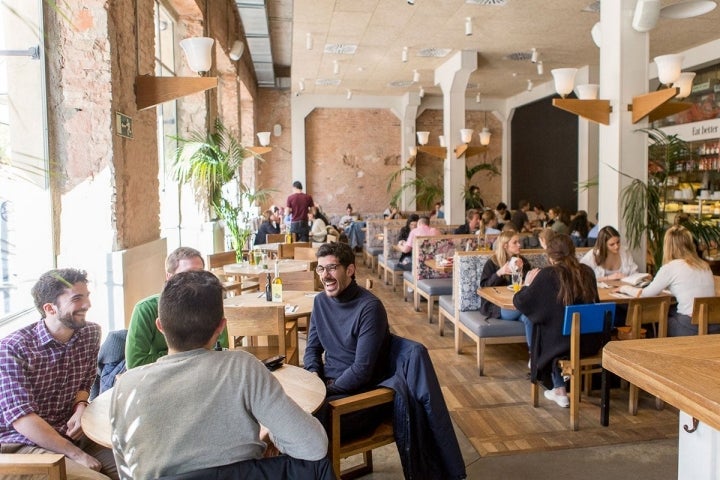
(462,308)
(51,465)
(427,282)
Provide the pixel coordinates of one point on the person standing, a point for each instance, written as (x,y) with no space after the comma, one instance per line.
(206,420)
(348,329)
(46,372)
(145,343)
(298,204)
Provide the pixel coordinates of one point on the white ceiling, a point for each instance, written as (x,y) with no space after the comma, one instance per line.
(558,29)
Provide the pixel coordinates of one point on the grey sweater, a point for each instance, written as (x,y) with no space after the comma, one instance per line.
(200,409)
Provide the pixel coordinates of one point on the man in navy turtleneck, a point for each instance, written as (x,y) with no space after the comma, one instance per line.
(349,324)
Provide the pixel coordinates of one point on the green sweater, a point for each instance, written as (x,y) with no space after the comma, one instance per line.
(145,344)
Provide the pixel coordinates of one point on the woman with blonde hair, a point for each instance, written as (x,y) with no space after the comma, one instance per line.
(543,299)
(686,276)
(497,273)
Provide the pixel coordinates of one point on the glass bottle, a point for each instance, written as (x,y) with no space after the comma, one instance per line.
(277,285)
(268,289)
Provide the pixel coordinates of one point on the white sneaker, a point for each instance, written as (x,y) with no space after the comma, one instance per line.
(561,400)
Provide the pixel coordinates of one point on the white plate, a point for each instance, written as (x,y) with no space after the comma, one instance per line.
(692,8)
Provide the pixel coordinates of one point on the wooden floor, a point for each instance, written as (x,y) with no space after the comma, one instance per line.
(494,411)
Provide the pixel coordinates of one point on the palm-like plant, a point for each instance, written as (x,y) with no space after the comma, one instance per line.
(209,161)
(643,203)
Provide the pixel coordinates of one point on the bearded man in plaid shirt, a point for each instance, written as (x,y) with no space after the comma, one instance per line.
(46,371)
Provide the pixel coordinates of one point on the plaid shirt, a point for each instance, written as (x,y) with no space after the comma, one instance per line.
(40,375)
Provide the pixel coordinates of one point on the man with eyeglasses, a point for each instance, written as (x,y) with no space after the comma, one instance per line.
(349,325)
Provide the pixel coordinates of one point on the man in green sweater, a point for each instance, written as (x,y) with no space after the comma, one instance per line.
(145,344)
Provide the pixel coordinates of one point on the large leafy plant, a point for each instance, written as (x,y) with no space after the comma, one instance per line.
(644,203)
(210,162)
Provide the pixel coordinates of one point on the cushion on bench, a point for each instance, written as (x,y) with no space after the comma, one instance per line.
(393,264)
(374,250)
(436,286)
(485,327)
(407,275)
(447,303)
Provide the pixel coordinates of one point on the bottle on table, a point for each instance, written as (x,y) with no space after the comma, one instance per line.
(277,285)
(268,289)
(288,237)
(217,347)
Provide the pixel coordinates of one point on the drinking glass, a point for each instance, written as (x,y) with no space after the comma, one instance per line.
(257,256)
(516,281)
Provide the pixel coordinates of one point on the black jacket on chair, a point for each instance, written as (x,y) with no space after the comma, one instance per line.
(423,430)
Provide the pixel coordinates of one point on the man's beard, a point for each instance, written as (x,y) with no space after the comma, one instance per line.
(69,321)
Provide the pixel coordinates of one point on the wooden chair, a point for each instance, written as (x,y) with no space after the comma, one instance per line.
(266,321)
(305,253)
(287,250)
(382,435)
(579,320)
(51,465)
(307,280)
(706,311)
(232,285)
(646,310)
(277,237)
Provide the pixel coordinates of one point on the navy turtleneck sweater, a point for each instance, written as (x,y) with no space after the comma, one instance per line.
(352,329)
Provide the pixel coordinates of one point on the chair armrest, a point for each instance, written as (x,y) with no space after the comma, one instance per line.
(361,401)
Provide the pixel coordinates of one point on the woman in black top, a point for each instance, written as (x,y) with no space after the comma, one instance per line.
(405,232)
(543,299)
(268,226)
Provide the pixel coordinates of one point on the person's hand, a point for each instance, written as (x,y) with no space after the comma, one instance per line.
(74,430)
(531,276)
(615,276)
(84,459)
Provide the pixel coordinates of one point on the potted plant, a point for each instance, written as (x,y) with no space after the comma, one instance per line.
(644,203)
(210,162)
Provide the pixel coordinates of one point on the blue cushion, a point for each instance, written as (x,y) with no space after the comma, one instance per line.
(393,264)
(408,276)
(436,286)
(374,250)
(485,327)
(447,303)
(381,258)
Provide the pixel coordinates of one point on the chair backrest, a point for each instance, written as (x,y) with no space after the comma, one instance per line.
(716,278)
(308,280)
(706,310)
(594,317)
(305,253)
(256,322)
(648,310)
(219,260)
(277,237)
(287,250)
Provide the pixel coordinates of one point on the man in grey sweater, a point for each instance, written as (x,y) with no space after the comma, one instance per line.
(197,408)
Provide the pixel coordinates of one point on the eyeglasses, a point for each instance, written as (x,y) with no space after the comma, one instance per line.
(330,268)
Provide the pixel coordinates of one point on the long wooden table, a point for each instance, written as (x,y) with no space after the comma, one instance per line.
(502,296)
(305,388)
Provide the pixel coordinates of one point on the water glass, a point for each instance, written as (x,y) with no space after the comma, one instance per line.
(516,281)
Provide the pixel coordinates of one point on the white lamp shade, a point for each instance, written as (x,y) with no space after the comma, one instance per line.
(198,51)
(485,136)
(466,135)
(684,83)
(564,79)
(588,91)
(441,140)
(669,67)
(412,150)
(264,138)
(237,50)
(423,137)
(596,34)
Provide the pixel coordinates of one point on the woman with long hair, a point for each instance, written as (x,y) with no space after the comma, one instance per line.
(269,225)
(543,299)
(609,259)
(686,276)
(497,273)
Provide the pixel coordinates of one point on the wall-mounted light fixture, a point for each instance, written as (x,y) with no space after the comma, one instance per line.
(151,90)
(264,140)
(416,76)
(589,108)
(656,105)
(540,69)
(468,26)
(32,52)
(237,50)
(485,134)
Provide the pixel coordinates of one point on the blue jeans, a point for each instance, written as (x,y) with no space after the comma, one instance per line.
(507,314)
(557,378)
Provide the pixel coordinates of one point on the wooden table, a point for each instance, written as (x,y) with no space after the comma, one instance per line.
(303,300)
(683,372)
(502,296)
(305,388)
(286,265)
(440,268)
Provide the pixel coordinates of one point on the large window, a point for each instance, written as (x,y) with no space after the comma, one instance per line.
(25,210)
